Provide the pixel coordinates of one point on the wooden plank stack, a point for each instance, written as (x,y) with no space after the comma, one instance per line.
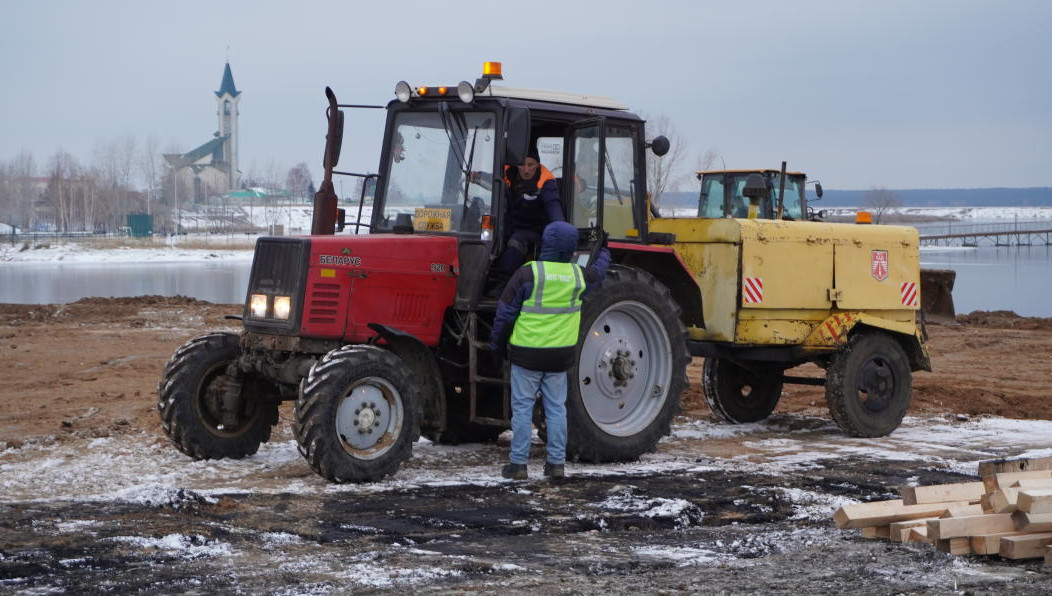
(1008,513)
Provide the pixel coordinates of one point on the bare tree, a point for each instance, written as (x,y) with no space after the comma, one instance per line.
(298,181)
(150,167)
(60,195)
(19,191)
(880,200)
(663,172)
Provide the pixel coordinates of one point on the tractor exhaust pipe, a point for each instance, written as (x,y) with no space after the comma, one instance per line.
(324,220)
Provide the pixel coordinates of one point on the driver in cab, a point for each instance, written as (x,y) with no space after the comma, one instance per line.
(532,202)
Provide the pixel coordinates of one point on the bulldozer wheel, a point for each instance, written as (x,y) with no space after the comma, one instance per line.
(357,414)
(737,395)
(868,385)
(630,371)
(189,396)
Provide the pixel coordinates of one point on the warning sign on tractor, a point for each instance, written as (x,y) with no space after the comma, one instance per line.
(432,220)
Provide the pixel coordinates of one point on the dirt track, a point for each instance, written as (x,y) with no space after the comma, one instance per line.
(61,362)
(80,379)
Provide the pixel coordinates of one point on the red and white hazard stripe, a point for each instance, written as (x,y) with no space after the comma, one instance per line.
(752,290)
(908,293)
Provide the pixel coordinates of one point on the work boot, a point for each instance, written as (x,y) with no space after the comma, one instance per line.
(554,470)
(515,471)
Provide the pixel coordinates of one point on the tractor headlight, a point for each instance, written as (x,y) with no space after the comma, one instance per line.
(466,92)
(282,307)
(403,91)
(257,306)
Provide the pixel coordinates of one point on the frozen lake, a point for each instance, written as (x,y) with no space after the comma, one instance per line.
(988,277)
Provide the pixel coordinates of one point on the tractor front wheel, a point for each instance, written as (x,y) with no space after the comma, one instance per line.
(192,401)
(868,385)
(357,414)
(738,395)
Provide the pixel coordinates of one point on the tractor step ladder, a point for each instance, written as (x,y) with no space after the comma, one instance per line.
(476,345)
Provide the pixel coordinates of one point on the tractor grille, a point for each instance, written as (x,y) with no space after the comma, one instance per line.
(323,302)
(410,307)
(279,268)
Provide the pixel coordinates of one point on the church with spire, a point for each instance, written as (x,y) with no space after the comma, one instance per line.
(212,168)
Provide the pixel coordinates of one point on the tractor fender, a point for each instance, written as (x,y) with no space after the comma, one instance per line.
(668,267)
(425,369)
(836,329)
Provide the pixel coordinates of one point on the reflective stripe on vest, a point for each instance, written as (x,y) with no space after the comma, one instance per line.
(551,316)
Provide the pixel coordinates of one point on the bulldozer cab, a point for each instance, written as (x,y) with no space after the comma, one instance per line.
(722,194)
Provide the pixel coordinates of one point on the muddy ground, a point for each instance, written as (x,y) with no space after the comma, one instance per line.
(92,499)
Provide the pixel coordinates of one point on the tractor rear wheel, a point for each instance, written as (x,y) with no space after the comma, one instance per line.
(868,385)
(190,401)
(357,414)
(738,395)
(630,370)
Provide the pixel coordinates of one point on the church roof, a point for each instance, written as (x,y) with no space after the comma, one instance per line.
(214,147)
(227,86)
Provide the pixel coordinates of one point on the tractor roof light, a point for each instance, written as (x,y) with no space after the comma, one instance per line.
(403,91)
(491,70)
(466,92)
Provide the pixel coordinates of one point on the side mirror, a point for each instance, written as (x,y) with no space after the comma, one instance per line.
(369,189)
(516,135)
(341,219)
(660,145)
(818,189)
(334,137)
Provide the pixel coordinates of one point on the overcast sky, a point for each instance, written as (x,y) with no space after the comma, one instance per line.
(899,94)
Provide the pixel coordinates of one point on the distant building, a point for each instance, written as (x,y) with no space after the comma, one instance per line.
(212,168)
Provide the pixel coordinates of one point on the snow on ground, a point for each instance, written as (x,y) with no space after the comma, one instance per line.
(141,469)
(70,252)
(1006,214)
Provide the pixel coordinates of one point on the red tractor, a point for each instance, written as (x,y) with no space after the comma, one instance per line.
(380,337)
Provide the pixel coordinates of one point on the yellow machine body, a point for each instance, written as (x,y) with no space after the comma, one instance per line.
(799,283)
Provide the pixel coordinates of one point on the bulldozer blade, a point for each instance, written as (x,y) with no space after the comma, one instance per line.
(937,295)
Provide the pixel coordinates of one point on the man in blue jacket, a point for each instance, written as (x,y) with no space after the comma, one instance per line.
(540,309)
(532,201)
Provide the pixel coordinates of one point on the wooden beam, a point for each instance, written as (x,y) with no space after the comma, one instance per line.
(963,510)
(990,544)
(876,532)
(919,534)
(1035,500)
(1019,464)
(1025,546)
(955,546)
(976,525)
(1033,483)
(900,531)
(1000,501)
(882,513)
(1005,479)
(1032,522)
(941,493)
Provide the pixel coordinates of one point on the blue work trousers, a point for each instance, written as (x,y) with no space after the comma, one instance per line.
(525,384)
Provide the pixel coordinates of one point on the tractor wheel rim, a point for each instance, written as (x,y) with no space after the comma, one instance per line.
(209,404)
(369,418)
(625,368)
(876,385)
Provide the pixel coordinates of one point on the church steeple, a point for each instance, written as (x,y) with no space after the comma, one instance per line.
(228,97)
(227,86)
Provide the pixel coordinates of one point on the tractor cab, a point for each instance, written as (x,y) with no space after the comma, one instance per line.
(724,194)
(444,154)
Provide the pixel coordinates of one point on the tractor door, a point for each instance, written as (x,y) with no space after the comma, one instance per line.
(602,177)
